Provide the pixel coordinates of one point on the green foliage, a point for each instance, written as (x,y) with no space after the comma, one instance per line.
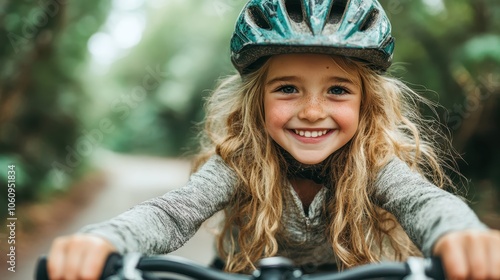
(43,47)
(453,49)
(186,45)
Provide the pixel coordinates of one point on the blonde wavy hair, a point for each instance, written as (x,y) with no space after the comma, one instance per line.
(359,231)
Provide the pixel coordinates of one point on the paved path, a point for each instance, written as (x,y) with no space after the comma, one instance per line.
(130,180)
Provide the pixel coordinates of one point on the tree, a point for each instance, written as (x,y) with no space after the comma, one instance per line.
(451,47)
(44,46)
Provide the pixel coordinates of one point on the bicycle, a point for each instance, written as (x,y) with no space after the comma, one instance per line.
(137,267)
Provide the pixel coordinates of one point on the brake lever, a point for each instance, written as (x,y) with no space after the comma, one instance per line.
(425,269)
(417,269)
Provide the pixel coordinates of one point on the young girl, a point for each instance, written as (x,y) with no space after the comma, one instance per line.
(312,152)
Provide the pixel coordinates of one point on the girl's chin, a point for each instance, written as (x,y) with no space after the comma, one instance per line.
(309,161)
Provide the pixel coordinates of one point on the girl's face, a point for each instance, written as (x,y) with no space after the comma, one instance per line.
(311,105)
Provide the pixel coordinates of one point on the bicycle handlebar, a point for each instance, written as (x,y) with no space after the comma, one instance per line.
(137,267)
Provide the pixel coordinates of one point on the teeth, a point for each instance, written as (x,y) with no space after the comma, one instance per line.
(310,134)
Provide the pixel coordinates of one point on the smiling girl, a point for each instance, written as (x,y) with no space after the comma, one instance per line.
(313,153)
(311,106)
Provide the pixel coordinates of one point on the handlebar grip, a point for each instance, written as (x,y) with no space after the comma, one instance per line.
(41,269)
(434,269)
(113,262)
(111,266)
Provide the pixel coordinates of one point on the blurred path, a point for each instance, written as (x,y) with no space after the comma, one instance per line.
(130,180)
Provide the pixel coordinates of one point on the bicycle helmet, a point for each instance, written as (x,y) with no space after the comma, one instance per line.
(354,28)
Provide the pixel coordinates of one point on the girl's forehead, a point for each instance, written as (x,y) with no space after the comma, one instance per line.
(309,63)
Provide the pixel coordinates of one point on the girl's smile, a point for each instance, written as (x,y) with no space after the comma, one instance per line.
(311,104)
(309,136)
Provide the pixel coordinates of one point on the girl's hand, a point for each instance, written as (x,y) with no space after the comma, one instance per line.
(79,256)
(470,254)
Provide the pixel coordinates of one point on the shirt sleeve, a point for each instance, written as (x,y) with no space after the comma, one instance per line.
(163,224)
(425,211)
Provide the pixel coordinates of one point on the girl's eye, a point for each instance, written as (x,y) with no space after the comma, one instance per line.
(287,89)
(338,90)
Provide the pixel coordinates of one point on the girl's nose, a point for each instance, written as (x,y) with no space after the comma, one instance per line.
(312,109)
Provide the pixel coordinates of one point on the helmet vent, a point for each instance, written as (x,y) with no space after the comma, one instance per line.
(337,11)
(259,18)
(295,10)
(369,20)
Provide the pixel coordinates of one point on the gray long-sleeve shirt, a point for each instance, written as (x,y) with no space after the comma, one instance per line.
(163,224)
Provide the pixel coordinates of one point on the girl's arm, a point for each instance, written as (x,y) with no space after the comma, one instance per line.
(425,211)
(440,223)
(157,226)
(165,223)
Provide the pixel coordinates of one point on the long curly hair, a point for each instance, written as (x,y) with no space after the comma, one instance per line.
(359,231)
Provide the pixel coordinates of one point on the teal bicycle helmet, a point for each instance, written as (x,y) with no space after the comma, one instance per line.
(358,29)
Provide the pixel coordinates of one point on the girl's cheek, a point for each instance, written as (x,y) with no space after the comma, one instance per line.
(276,114)
(348,115)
